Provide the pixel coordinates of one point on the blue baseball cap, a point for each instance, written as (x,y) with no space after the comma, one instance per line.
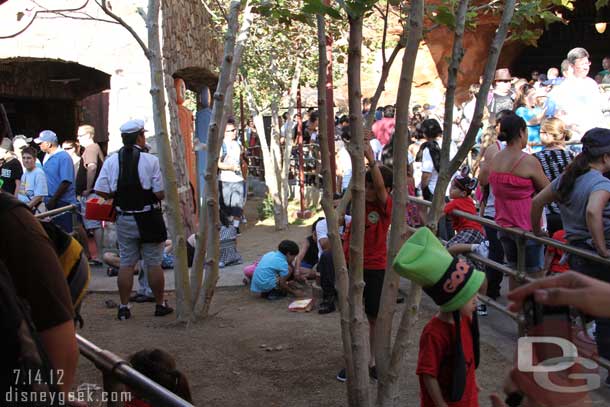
(46,136)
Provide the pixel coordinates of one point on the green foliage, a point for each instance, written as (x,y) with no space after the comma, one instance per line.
(265,208)
(601,3)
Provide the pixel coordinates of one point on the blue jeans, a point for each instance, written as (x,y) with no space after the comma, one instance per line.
(534,253)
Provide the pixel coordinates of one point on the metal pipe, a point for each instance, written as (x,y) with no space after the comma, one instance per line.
(56,211)
(589,255)
(116,369)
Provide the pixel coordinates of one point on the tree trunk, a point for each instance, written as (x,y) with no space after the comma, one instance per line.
(172,207)
(212,223)
(331,215)
(448,168)
(237,52)
(388,373)
(280,204)
(288,134)
(359,325)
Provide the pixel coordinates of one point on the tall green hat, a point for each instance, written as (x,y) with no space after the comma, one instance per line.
(450,282)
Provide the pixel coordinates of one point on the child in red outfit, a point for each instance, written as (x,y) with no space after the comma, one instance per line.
(470,235)
(553,255)
(437,346)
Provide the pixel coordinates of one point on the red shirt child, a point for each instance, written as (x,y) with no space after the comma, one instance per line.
(553,255)
(436,349)
(464,204)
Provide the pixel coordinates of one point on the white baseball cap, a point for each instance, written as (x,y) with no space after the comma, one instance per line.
(132,126)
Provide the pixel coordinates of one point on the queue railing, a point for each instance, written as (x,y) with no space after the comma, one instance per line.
(519,274)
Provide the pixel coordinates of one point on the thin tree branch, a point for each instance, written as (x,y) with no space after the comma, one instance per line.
(209,10)
(87,18)
(119,20)
(222,10)
(45,10)
(385,32)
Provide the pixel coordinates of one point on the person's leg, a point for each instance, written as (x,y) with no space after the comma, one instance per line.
(496,253)
(143,286)
(510,250)
(98,236)
(373,285)
(112,259)
(326,268)
(129,253)
(236,202)
(152,256)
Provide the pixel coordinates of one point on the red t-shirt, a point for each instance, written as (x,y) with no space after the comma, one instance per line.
(378,219)
(555,267)
(436,350)
(465,204)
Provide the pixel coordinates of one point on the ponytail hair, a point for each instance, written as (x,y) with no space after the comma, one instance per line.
(511,127)
(578,167)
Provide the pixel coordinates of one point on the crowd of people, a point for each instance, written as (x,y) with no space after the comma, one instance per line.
(541,165)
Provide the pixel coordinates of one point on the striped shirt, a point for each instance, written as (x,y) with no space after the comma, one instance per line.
(554,163)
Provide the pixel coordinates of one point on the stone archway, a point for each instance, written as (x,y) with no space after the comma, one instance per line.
(44,93)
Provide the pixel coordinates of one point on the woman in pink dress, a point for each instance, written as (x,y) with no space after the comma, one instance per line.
(515,177)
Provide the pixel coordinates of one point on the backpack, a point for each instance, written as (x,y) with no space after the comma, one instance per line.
(70,253)
(24,366)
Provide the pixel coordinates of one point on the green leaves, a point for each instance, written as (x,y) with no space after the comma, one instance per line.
(317,7)
(601,3)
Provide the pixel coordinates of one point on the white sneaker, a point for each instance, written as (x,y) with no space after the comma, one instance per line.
(482,249)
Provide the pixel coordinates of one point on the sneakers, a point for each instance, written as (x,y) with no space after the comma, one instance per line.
(342,375)
(275,295)
(124,313)
(482,249)
(482,310)
(163,310)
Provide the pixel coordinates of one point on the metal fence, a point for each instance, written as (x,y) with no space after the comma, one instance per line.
(519,275)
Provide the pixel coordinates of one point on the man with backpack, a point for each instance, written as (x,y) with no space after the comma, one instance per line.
(133,179)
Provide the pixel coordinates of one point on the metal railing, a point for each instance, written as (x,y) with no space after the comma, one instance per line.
(520,274)
(117,372)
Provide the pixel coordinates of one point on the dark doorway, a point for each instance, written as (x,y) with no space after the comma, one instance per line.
(30,116)
(560,38)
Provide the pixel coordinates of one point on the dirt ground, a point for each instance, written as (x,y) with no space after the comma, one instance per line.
(226,357)
(254,352)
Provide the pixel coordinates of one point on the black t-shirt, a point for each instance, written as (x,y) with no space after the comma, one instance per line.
(499,103)
(10,171)
(91,154)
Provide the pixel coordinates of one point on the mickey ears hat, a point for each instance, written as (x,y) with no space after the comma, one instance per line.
(450,282)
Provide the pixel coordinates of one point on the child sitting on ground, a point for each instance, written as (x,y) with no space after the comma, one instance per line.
(469,234)
(159,366)
(308,256)
(449,343)
(272,272)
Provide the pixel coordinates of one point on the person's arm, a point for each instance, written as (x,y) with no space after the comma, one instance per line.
(490,153)
(91,170)
(61,189)
(35,202)
(228,167)
(544,197)
(434,390)
(595,220)
(425,179)
(160,195)
(17,187)
(60,344)
(302,251)
(589,295)
(538,176)
(380,189)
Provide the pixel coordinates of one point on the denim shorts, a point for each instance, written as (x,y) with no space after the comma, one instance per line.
(534,252)
(130,248)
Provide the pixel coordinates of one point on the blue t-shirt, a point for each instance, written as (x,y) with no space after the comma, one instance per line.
(58,168)
(271,265)
(533,132)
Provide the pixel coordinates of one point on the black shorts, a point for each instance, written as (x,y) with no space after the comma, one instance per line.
(373,284)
